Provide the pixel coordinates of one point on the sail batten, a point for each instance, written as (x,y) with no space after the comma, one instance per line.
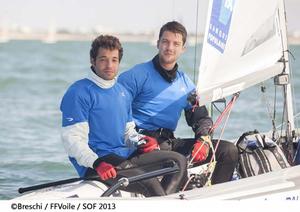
(242,46)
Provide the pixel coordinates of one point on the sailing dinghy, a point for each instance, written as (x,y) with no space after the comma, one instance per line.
(245,44)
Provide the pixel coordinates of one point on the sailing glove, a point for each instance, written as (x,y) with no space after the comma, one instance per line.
(106,171)
(201,149)
(150,145)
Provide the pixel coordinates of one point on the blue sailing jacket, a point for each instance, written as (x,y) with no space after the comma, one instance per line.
(106,110)
(156,102)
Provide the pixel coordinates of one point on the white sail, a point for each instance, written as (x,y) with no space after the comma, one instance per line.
(241,47)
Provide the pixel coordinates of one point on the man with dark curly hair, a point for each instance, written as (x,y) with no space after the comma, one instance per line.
(98,132)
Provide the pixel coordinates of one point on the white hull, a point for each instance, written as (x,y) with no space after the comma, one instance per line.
(283,184)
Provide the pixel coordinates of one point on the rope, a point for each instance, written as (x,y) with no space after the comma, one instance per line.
(187,182)
(226,120)
(228,107)
(272,115)
(295,116)
(213,161)
(293,89)
(298,114)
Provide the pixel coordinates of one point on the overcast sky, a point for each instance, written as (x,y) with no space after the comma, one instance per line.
(119,15)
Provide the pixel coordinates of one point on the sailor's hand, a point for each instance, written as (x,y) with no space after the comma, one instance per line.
(106,171)
(149,145)
(201,149)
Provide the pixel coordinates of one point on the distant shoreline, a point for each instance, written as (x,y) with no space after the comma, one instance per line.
(52,38)
(125,37)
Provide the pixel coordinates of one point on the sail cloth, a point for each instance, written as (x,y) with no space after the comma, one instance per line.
(241,47)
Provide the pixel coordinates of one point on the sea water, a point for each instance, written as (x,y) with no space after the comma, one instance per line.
(33,79)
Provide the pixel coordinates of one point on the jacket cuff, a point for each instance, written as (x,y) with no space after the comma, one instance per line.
(113,159)
(97,162)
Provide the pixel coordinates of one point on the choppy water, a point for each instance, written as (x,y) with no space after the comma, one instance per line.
(33,78)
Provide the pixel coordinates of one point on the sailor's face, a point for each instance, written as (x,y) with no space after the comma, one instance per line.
(106,64)
(170,47)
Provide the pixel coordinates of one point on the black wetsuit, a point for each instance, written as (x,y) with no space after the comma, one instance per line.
(141,163)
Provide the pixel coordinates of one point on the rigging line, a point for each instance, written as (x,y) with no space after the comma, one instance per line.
(271,114)
(292,87)
(295,116)
(266,100)
(227,112)
(228,107)
(283,113)
(290,53)
(216,107)
(285,60)
(213,159)
(274,113)
(291,78)
(298,114)
(283,48)
(196,41)
(188,181)
(226,120)
(212,163)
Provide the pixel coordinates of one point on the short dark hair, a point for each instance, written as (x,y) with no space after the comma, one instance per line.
(106,42)
(175,27)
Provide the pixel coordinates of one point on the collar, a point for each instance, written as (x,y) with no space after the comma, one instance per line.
(105,84)
(168,75)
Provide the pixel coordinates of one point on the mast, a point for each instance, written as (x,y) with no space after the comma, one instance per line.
(289,112)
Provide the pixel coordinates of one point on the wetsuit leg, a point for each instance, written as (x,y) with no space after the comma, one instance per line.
(150,187)
(173,182)
(227,160)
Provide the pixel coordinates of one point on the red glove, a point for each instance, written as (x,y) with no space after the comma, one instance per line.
(150,145)
(106,171)
(201,149)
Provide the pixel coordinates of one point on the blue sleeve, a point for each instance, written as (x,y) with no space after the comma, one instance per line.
(75,106)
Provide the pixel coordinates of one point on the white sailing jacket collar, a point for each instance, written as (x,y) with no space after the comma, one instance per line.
(105,84)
